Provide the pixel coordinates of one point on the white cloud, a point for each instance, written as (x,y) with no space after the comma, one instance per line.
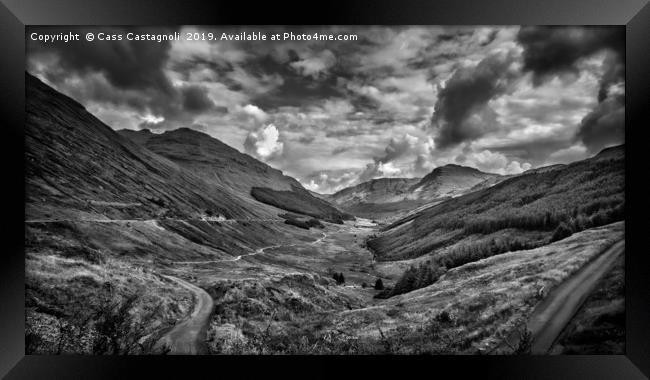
(264,143)
(494,162)
(255,112)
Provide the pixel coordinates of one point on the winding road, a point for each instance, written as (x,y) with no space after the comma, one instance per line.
(551,316)
(256,252)
(188,337)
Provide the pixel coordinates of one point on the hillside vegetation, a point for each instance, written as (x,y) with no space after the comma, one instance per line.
(221,165)
(523,212)
(75,166)
(300,201)
(581,195)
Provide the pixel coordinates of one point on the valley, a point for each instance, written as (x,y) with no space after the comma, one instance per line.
(176,243)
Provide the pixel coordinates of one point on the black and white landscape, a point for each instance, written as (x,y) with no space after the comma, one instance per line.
(439,190)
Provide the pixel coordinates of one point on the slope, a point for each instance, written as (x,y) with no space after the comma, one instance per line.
(525,210)
(77,166)
(221,165)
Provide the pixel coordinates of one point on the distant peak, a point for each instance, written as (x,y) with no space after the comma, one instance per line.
(455,167)
(185,131)
(145,131)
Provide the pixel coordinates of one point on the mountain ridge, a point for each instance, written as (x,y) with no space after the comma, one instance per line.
(525,209)
(218,163)
(77,165)
(389,197)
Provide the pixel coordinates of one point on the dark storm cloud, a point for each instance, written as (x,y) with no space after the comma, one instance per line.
(552,50)
(133,71)
(464,95)
(549,50)
(196,99)
(605,125)
(536,151)
(295,90)
(126,64)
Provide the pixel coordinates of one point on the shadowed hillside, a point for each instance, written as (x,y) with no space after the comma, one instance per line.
(221,165)
(76,166)
(301,201)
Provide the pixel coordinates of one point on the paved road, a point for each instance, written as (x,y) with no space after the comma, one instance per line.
(188,337)
(551,316)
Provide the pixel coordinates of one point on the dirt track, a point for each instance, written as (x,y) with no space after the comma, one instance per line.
(551,316)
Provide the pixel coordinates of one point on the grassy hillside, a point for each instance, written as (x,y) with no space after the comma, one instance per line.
(104,217)
(380,190)
(451,180)
(472,308)
(599,326)
(221,165)
(532,208)
(300,201)
(76,166)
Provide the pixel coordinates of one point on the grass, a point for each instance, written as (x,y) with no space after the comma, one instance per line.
(485,300)
(108,308)
(599,325)
(83,298)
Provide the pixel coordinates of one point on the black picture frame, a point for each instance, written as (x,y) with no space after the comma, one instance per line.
(16,14)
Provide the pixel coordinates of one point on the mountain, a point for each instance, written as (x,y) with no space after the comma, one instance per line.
(449,181)
(215,161)
(115,232)
(381,190)
(390,197)
(221,165)
(76,166)
(527,210)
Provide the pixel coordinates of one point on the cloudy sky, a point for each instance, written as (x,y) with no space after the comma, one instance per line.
(397,102)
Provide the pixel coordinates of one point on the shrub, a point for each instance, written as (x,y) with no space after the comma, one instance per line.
(562,231)
(443,317)
(297,223)
(313,222)
(379,285)
(415,278)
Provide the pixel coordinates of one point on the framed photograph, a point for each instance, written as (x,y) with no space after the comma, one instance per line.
(348,189)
